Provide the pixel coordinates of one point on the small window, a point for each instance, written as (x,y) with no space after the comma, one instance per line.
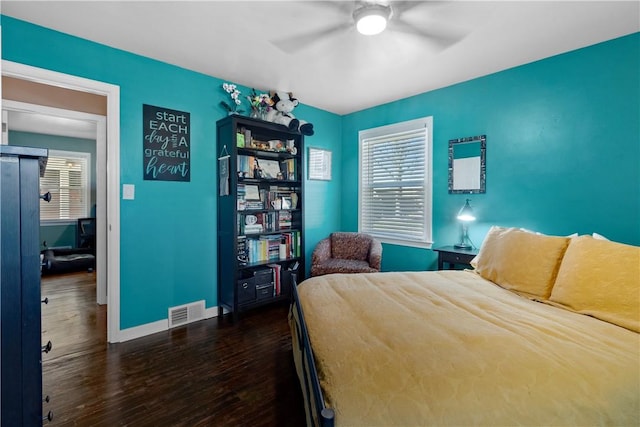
(395,182)
(67,179)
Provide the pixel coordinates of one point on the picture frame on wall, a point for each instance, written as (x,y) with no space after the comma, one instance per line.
(319,164)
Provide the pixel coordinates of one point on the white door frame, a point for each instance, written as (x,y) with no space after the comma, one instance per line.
(112,228)
(101,174)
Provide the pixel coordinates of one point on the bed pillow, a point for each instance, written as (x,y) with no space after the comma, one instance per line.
(521,261)
(601,278)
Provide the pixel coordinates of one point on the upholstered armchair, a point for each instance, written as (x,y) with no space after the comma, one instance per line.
(346,253)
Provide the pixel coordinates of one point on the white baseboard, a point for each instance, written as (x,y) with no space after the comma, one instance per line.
(158,326)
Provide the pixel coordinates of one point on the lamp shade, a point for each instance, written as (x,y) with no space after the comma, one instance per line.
(371,19)
(466,212)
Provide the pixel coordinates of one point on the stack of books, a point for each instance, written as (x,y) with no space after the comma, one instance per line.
(284,220)
(254,204)
(252,228)
(242,204)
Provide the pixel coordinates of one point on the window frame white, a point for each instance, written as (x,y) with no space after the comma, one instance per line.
(425,123)
(86,158)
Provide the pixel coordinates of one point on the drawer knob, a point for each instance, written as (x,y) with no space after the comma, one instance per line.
(46,196)
(47,348)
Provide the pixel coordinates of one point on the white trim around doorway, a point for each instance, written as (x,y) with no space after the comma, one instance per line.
(112,229)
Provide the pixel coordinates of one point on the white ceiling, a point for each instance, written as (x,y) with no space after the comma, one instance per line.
(339,72)
(50,125)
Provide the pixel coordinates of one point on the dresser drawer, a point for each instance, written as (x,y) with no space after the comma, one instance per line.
(452,256)
(456,258)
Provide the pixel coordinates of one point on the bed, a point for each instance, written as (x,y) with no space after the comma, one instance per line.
(545,331)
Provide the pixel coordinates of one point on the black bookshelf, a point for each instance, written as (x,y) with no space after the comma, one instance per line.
(260,213)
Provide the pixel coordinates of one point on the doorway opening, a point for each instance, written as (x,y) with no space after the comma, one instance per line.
(58,129)
(107,153)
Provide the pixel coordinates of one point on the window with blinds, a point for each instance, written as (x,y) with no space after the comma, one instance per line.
(395,182)
(67,179)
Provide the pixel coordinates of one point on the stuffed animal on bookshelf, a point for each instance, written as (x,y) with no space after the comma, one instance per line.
(282,113)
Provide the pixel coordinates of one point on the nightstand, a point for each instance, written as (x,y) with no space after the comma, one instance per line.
(453,256)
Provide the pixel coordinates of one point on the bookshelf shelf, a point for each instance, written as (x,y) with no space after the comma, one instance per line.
(260,213)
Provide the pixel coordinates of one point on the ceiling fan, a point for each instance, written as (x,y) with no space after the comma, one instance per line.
(371,17)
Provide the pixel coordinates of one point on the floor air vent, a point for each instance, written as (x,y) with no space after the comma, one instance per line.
(183,314)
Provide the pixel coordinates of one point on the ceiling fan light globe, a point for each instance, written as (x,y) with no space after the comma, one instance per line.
(371,24)
(372,19)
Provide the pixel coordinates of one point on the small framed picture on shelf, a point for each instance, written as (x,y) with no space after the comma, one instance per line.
(286,202)
(270,168)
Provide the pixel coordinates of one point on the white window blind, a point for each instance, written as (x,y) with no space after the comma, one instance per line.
(395,183)
(67,179)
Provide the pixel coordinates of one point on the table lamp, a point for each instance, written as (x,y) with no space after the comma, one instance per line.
(465,216)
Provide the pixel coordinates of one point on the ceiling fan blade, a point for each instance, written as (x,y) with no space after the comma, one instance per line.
(399,7)
(441,38)
(345,7)
(295,43)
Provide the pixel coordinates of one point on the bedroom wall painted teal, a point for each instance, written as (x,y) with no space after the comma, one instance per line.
(168,233)
(556,130)
(322,198)
(60,234)
(563,148)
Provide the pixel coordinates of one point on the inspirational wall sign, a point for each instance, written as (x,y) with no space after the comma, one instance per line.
(166,144)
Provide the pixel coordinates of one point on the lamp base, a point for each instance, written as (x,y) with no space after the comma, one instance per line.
(462,246)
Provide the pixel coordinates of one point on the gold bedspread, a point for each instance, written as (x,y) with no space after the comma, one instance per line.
(450,348)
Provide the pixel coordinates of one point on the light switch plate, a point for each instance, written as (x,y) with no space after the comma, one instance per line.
(128,191)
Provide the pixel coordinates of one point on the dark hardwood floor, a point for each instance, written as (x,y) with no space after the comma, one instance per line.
(207,373)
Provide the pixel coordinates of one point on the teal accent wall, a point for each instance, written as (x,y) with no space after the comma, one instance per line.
(563,155)
(60,234)
(563,148)
(323,212)
(168,233)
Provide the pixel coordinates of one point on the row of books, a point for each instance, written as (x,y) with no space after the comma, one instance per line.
(282,277)
(265,222)
(277,278)
(246,164)
(287,197)
(291,240)
(258,223)
(268,248)
(252,197)
(289,167)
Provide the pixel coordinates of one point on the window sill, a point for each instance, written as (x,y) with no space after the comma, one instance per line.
(419,245)
(56,222)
